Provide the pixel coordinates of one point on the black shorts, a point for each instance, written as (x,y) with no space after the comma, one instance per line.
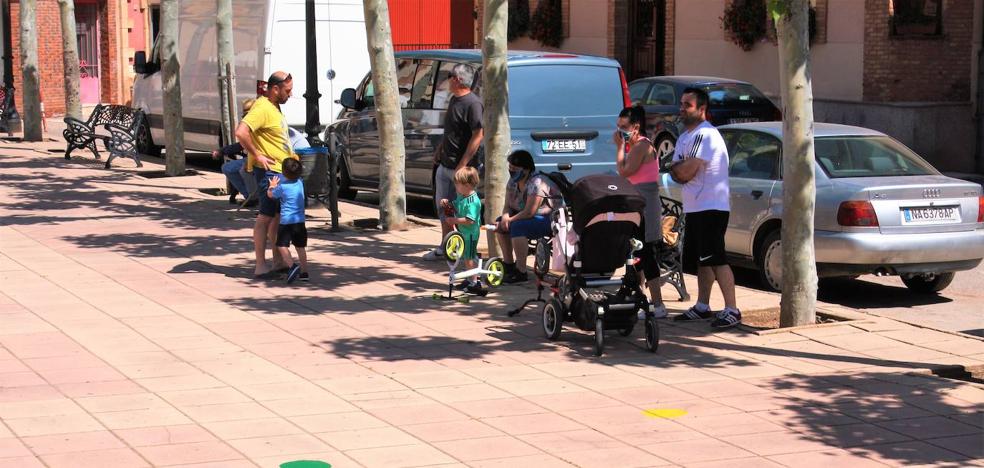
(649,255)
(705,232)
(295,234)
(649,260)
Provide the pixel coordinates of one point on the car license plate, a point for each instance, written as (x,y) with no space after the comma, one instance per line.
(930,215)
(564,146)
(743,120)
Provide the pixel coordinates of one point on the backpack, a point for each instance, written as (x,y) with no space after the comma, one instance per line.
(560,181)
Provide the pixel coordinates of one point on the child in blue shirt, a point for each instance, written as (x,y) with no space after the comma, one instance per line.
(291,229)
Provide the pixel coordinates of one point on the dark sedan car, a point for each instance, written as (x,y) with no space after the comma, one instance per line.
(731,102)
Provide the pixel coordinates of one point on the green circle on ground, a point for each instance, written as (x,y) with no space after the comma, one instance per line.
(305,464)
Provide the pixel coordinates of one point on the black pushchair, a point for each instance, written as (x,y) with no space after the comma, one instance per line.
(593,236)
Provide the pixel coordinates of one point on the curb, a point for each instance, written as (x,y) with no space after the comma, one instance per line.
(918,325)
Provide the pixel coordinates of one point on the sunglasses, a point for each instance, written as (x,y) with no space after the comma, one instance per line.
(275,81)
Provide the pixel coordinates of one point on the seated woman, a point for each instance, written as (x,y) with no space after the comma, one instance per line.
(234,165)
(530,199)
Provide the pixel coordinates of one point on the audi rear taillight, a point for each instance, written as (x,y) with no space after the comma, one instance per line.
(626,99)
(857,213)
(260,87)
(980,209)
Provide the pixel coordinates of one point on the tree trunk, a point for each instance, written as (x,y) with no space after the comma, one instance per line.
(799,272)
(29,68)
(70,57)
(227,82)
(389,118)
(174,161)
(495,94)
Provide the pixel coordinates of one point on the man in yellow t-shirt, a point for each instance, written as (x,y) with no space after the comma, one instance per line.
(263,134)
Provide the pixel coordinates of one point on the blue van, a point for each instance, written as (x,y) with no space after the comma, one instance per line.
(562,110)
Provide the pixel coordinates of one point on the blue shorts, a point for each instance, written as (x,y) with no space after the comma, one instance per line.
(268,206)
(531,228)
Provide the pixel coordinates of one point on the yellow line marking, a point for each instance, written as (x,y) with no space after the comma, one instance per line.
(664,413)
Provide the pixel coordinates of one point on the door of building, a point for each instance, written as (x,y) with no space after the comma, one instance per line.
(87,31)
(647,37)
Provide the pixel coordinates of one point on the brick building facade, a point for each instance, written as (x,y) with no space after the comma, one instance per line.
(908,68)
(50,69)
(115,29)
(896,67)
(918,68)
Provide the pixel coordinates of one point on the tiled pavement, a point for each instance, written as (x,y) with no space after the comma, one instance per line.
(131,335)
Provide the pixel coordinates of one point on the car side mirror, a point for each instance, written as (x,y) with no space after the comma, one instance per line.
(140,62)
(348,100)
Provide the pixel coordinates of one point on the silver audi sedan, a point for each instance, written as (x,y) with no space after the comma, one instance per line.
(880,208)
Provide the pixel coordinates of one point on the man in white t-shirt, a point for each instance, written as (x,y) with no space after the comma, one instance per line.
(707,205)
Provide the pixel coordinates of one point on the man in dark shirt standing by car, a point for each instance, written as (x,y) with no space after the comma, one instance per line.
(462,138)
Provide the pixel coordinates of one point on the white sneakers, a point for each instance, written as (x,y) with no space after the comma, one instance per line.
(434,255)
(658,312)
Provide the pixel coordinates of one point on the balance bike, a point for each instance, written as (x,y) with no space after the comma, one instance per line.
(453,247)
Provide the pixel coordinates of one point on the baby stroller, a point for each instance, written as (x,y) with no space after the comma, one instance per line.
(593,237)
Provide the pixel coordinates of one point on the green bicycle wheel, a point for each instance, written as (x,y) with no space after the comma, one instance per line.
(454,245)
(497,270)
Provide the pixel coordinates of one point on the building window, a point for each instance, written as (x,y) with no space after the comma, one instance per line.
(917,18)
(155,23)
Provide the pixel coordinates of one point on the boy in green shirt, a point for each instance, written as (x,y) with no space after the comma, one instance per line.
(468,212)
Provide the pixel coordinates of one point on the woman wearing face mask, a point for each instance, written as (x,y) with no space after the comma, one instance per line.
(636,160)
(530,198)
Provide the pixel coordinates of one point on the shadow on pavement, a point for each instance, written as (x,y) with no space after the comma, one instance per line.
(853,293)
(51,199)
(861,294)
(878,416)
(874,411)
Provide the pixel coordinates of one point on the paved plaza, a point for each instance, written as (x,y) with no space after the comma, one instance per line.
(132,334)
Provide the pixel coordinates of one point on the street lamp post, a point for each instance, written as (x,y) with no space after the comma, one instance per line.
(311,94)
(11,119)
(312,97)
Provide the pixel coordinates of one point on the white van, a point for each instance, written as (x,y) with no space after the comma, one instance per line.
(269,35)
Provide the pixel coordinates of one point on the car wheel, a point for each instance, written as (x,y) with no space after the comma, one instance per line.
(664,146)
(345,189)
(928,283)
(145,142)
(769,261)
